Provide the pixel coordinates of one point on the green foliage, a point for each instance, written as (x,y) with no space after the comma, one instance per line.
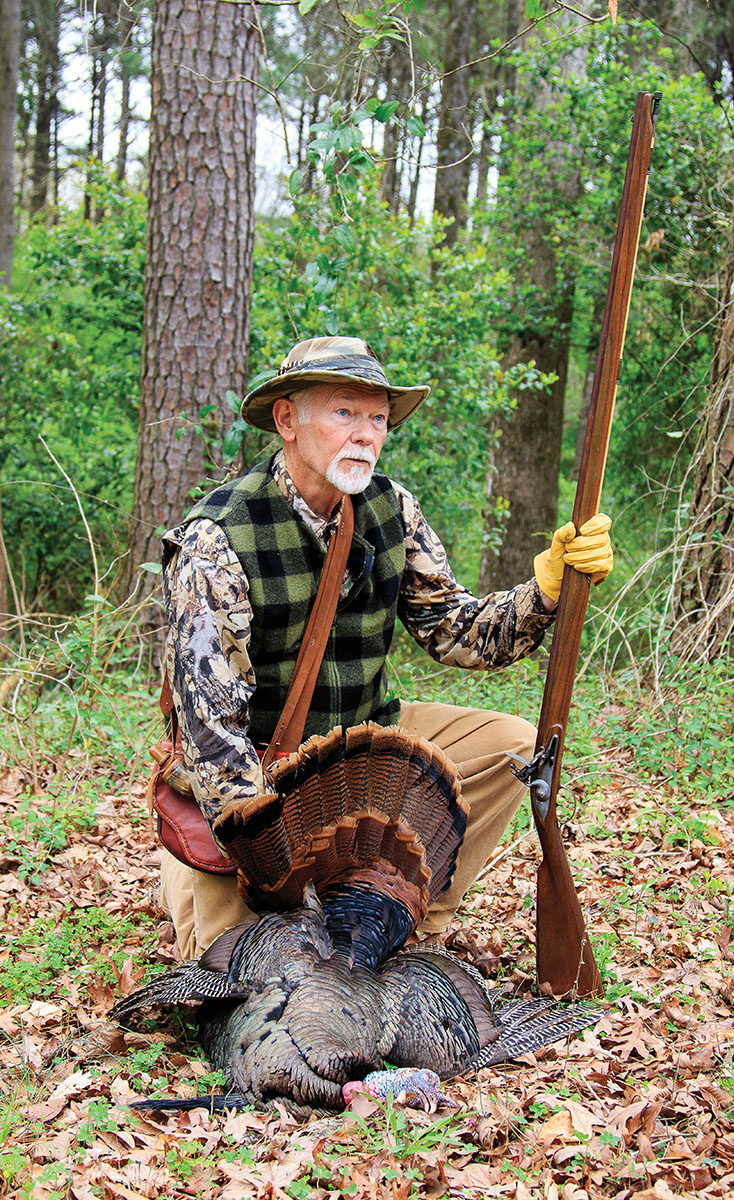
(85,941)
(580,135)
(392,1127)
(69,359)
(683,731)
(37,829)
(343,262)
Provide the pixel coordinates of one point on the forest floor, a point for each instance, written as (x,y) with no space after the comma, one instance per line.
(641,1105)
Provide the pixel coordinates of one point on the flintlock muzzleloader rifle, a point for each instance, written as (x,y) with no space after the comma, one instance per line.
(564,958)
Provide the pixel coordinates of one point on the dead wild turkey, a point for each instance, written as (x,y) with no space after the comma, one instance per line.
(342,859)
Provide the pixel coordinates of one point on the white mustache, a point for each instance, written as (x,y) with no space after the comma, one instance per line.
(358,455)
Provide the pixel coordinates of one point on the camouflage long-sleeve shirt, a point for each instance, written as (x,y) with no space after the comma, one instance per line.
(208,663)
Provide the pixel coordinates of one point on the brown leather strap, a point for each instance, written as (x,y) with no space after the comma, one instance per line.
(168,708)
(289,730)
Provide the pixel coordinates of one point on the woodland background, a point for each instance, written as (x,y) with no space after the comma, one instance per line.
(186,190)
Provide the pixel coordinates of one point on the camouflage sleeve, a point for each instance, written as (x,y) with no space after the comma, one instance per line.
(208,663)
(454,626)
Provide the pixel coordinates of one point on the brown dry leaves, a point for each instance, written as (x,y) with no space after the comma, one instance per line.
(641,1105)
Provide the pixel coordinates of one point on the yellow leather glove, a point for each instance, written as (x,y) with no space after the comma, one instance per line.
(589,551)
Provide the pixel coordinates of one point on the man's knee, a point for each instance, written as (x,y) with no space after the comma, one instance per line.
(201,905)
(519,735)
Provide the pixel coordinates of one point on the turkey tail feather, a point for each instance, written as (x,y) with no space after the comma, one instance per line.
(216,1103)
(548,1024)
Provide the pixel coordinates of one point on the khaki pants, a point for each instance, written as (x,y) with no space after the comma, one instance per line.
(202,906)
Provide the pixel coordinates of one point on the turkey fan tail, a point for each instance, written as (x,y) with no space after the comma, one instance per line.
(370,797)
(387,769)
(533,1023)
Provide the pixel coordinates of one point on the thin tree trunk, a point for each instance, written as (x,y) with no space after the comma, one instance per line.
(454,146)
(397,87)
(103,57)
(308,173)
(198,267)
(127,22)
(101,102)
(47,82)
(485,158)
(121,163)
(91,142)
(9,59)
(416,176)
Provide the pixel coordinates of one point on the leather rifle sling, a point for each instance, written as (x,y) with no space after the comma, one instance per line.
(289,730)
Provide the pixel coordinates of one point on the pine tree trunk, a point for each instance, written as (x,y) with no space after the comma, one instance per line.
(101,103)
(198,268)
(9,59)
(704,604)
(416,175)
(126,23)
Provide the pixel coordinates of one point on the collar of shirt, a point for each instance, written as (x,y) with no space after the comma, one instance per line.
(319,525)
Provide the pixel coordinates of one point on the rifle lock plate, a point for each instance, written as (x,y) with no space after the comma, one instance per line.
(537,774)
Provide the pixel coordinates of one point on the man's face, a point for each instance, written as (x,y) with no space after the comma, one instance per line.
(339,431)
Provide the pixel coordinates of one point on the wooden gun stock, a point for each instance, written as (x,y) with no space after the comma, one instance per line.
(564,959)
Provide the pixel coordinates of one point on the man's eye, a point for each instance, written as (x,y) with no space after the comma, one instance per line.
(342,412)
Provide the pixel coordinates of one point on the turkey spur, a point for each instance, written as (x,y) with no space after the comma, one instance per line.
(342,859)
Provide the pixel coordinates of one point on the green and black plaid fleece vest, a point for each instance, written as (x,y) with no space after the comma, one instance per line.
(283,560)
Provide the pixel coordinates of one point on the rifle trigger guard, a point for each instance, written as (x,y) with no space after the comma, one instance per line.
(538,774)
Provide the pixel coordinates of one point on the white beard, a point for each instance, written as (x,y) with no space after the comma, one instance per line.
(350,479)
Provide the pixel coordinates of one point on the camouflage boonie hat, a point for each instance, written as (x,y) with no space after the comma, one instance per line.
(329,360)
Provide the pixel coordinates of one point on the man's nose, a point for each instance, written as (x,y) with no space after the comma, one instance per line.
(363,431)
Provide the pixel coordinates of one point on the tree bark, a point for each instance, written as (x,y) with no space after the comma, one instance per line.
(48,32)
(9,58)
(500,75)
(528,461)
(416,175)
(397,87)
(704,602)
(123,126)
(93,99)
(198,268)
(454,146)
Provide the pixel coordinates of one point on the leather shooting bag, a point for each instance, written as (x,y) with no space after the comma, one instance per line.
(182,826)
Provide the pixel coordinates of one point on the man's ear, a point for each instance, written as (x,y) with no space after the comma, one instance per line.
(284,415)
